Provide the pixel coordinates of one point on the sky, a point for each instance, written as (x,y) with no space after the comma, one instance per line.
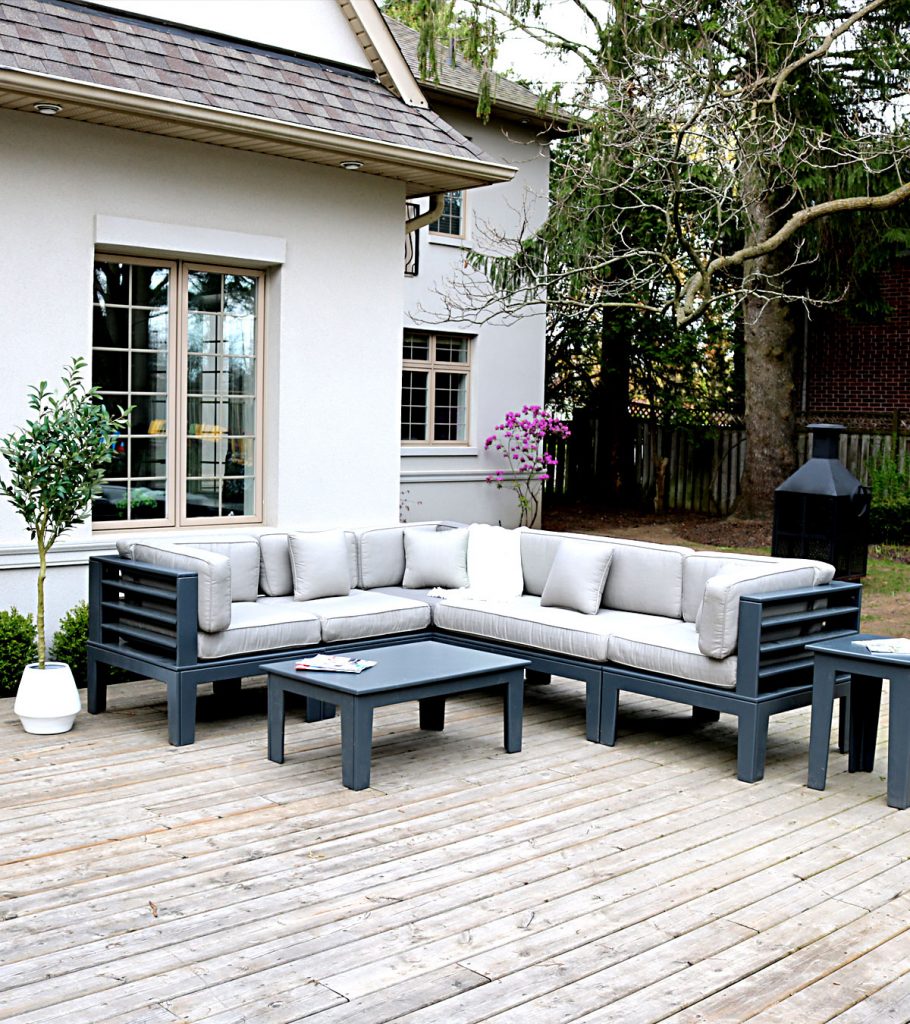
(284,23)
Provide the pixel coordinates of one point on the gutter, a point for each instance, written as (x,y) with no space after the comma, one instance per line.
(437,205)
(36,86)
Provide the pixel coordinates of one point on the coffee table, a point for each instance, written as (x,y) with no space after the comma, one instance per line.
(426,671)
(867,670)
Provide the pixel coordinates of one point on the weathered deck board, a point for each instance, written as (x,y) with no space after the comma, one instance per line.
(570,882)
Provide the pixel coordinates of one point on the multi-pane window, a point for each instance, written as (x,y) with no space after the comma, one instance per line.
(451,220)
(434,389)
(182,345)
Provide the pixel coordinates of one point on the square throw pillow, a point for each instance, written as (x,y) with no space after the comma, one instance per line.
(319,564)
(437,558)
(577,576)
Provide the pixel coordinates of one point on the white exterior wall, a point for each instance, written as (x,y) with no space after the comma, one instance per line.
(507,361)
(333,307)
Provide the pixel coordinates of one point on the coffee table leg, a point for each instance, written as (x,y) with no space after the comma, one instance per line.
(899,741)
(865,704)
(433,713)
(356,744)
(276,720)
(820,729)
(513,705)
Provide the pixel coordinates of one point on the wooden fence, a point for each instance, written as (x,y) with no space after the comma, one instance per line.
(693,468)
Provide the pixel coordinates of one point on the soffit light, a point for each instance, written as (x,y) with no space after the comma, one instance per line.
(351,165)
(48,108)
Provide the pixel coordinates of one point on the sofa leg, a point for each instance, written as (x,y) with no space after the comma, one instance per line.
(227,689)
(705,715)
(751,743)
(535,678)
(181,712)
(318,710)
(96,683)
(609,711)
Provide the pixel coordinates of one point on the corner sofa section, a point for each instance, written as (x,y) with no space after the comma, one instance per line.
(720,632)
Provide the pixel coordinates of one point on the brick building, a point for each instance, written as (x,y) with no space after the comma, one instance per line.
(858,374)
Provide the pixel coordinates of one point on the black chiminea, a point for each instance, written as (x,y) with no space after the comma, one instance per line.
(822,511)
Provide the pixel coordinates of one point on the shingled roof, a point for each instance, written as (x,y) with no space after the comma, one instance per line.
(315,110)
(457,78)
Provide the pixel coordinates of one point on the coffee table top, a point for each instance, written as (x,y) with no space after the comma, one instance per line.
(400,665)
(844,647)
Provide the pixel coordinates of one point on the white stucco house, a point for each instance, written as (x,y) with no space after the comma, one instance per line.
(218,226)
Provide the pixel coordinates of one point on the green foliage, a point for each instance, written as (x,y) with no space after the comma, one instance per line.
(889,521)
(18,647)
(70,643)
(888,476)
(56,462)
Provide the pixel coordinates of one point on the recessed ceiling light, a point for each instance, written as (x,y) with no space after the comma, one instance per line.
(351,165)
(48,108)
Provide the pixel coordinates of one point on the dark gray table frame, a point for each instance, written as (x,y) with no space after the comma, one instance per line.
(866,670)
(356,697)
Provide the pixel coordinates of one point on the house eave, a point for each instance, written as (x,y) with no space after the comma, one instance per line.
(422,172)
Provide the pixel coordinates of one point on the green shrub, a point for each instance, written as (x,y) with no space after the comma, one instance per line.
(70,642)
(18,646)
(889,520)
(888,474)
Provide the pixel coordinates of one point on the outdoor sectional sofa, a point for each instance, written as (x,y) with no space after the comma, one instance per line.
(723,633)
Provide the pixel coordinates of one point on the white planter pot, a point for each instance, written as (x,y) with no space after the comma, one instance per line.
(47,700)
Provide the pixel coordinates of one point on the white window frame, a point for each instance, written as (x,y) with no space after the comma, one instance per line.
(176,402)
(431,366)
(453,236)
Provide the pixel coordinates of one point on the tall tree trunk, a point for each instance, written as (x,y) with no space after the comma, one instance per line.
(615,468)
(770,414)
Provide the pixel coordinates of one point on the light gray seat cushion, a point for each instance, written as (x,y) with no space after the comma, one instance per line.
(666,647)
(268,624)
(522,621)
(411,594)
(362,614)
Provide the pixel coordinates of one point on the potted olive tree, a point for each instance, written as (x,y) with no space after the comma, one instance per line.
(56,462)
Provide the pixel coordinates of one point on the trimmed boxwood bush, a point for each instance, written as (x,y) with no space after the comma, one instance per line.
(18,647)
(70,642)
(889,520)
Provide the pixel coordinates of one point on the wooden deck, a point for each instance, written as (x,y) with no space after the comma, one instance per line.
(143,884)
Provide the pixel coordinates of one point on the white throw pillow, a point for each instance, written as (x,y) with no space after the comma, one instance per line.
(319,564)
(436,559)
(577,576)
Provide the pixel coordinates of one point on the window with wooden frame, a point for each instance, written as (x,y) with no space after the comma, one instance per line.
(182,344)
(452,219)
(435,388)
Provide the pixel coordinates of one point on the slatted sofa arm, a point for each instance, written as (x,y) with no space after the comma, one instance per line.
(774,629)
(144,608)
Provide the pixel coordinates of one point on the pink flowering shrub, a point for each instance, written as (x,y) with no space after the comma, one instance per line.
(520,440)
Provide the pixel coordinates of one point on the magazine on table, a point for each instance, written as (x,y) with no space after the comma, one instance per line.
(332,663)
(888,645)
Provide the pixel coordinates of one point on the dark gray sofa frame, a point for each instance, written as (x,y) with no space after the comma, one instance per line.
(143,618)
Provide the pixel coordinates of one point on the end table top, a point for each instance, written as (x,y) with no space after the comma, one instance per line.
(400,665)
(844,647)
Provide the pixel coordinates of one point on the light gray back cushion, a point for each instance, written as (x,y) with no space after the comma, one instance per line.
(382,554)
(275,576)
(718,620)
(577,577)
(436,559)
(241,549)
(643,577)
(212,569)
(319,564)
